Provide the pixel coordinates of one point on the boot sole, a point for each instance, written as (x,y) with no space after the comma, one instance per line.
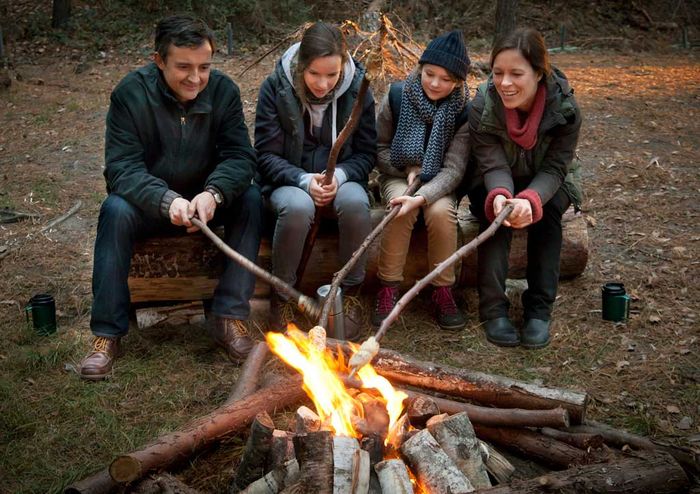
(95,377)
(535,346)
(507,344)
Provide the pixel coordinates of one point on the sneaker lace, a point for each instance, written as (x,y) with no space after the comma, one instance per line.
(101,344)
(386,299)
(444,300)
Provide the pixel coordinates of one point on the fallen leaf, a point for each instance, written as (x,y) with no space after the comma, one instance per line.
(685,423)
(654,319)
(621,365)
(673,409)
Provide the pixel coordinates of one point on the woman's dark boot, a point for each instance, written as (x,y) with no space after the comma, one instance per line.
(501,332)
(535,333)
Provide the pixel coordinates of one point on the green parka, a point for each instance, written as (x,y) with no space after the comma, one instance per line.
(551,164)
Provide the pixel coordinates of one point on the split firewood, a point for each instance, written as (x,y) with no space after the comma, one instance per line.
(398,434)
(374,445)
(535,446)
(307,421)
(497,465)
(484,388)
(200,433)
(171,315)
(456,437)
(314,453)
(393,477)
(376,416)
(281,449)
(658,473)
(580,440)
(434,469)
(250,373)
(344,449)
(499,417)
(275,480)
(420,409)
(254,458)
(360,472)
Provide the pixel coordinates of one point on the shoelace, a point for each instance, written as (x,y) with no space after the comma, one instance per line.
(238,328)
(287,311)
(386,299)
(101,344)
(443,298)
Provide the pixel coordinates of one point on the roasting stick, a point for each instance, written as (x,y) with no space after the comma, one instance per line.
(369,349)
(305,304)
(340,275)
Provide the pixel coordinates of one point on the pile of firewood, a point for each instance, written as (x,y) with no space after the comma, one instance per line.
(450,445)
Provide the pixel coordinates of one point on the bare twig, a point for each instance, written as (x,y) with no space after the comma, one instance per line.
(422,283)
(292,35)
(340,275)
(306,304)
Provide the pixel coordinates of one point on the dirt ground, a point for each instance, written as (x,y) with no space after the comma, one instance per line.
(640,148)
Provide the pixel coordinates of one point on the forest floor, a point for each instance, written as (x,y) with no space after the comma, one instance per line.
(640,149)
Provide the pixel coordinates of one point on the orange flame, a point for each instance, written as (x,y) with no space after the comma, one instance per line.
(321,372)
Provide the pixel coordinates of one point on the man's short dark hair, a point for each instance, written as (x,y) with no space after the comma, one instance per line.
(182,30)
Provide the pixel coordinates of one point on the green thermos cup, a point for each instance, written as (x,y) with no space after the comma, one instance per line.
(43,309)
(616,302)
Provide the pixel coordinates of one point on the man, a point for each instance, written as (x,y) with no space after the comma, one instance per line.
(176,147)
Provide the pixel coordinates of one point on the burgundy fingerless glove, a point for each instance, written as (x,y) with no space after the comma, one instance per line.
(488,204)
(535,203)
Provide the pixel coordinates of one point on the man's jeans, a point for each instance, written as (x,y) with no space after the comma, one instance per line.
(295,211)
(120,224)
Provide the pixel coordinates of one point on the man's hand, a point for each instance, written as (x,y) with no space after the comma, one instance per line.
(408,203)
(322,194)
(179,212)
(521,216)
(203,206)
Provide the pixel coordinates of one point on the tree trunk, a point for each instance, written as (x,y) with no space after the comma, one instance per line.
(434,469)
(206,430)
(535,446)
(500,417)
(506,11)
(61,13)
(659,474)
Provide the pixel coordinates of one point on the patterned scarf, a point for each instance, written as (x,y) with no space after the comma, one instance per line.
(417,112)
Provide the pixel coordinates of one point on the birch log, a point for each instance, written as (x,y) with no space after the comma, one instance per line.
(456,437)
(314,453)
(343,454)
(254,458)
(393,477)
(496,464)
(434,469)
(275,480)
(360,472)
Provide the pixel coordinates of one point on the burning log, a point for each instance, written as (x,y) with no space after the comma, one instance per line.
(307,421)
(657,473)
(420,409)
(376,419)
(393,477)
(483,388)
(456,437)
(497,465)
(434,469)
(314,453)
(580,440)
(222,422)
(254,457)
(500,417)
(281,449)
(347,470)
(275,480)
(535,446)
(250,373)
(399,433)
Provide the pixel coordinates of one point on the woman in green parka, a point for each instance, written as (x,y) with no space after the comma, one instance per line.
(524,126)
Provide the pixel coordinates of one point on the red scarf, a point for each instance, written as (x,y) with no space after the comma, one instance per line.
(525,135)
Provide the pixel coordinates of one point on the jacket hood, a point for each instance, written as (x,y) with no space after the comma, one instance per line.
(291,54)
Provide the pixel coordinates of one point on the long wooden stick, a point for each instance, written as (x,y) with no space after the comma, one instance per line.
(249,375)
(348,129)
(422,283)
(306,304)
(222,422)
(340,275)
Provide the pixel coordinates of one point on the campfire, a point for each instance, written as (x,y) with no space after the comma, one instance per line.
(364,435)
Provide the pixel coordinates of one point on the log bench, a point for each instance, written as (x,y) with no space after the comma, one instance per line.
(187,267)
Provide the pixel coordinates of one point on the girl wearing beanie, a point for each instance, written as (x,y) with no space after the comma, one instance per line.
(524,125)
(302,106)
(422,132)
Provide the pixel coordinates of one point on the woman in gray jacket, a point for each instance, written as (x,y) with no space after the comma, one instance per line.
(422,132)
(524,124)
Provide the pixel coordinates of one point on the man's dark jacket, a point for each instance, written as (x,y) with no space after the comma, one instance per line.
(156,149)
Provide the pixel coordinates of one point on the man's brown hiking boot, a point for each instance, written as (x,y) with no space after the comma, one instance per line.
(232,335)
(98,364)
